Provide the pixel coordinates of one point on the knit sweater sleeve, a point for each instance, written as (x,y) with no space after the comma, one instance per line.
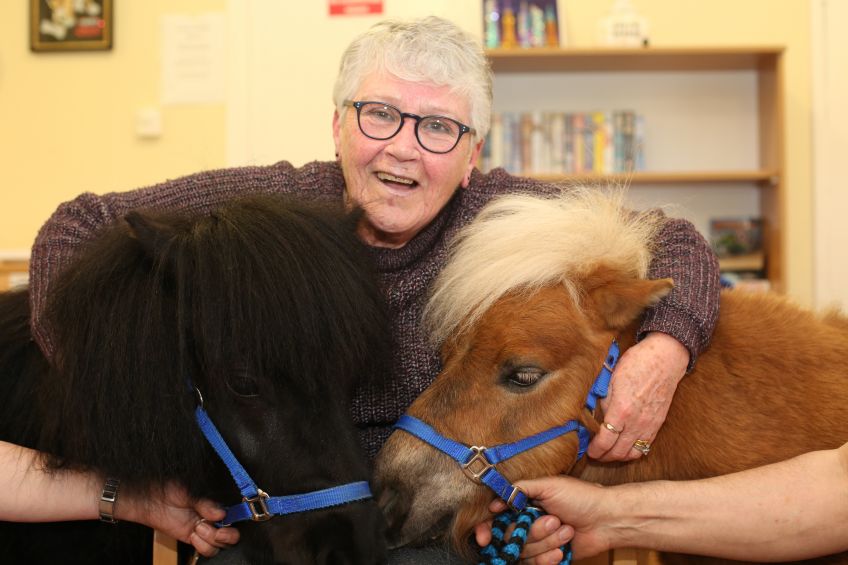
(690,311)
(78,221)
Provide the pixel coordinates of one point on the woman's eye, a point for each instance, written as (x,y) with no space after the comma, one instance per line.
(381,115)
(525,377)
(438,126)
(243,385)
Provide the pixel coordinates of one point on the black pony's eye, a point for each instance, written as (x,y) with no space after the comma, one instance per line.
(243,384)
(525,376)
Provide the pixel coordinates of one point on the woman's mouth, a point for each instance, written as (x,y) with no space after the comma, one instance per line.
(396,182)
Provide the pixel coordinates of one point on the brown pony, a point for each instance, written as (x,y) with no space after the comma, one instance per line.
(534,294)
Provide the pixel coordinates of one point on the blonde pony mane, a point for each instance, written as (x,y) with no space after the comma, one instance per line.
(526,242)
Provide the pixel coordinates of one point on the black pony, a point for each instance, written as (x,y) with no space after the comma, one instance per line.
(266,307)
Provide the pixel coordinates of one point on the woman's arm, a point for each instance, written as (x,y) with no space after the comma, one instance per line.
(31,493)
(795,509)
(672,335)
(78,221)
(690,311)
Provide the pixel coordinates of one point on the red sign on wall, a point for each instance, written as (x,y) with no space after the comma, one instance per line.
(355,7)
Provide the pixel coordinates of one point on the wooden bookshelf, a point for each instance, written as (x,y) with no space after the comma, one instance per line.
(634,64)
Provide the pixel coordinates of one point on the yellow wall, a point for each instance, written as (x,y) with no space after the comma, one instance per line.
(67,121)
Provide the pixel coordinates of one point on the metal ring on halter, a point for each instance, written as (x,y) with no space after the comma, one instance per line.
(612,428)
(642,445)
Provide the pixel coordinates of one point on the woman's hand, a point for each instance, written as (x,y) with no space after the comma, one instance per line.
(575,512)
(641,391)
(179,516)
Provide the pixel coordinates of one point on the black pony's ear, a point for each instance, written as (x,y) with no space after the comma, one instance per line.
(152,235)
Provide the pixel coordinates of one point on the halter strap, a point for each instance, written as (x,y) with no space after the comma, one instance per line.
(256,505)
(478,463)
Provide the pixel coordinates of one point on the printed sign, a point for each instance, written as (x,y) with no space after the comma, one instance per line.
(355,7)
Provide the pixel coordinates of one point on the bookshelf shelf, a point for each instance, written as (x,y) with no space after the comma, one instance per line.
(640,67)
(551,59)
(692,177)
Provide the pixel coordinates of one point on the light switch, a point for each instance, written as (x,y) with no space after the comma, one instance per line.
(148,123)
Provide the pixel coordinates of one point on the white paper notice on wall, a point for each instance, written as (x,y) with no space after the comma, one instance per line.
(193,59)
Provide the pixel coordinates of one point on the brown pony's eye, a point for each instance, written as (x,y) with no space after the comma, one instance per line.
(525,376)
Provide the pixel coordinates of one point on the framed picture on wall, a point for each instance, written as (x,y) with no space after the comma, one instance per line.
(70,25)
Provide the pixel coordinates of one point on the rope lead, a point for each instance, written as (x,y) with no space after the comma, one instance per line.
(500,552)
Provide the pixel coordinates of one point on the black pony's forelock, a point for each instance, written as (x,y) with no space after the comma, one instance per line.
(264,283)
(305,273)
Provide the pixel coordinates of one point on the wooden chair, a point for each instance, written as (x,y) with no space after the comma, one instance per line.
(164,549)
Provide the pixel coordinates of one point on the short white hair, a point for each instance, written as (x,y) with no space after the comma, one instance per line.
(429,50)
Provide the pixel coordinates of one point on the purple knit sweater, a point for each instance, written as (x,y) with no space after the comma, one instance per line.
(688,313)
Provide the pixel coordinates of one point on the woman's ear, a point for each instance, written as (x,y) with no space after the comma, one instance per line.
(472,162)
(336,131)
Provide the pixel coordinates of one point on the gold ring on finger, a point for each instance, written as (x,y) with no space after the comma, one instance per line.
(643,446)
(612,428)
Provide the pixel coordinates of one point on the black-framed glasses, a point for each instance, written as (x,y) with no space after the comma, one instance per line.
(436,134)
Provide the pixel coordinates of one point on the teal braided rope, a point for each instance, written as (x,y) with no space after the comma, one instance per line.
(500,552)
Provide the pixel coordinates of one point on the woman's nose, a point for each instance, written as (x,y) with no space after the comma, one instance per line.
(404,145)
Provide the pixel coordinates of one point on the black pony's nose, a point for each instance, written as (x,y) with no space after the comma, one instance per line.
(356,538)
(352,534)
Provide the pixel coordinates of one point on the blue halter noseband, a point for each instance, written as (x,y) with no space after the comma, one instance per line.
(479,463)
(256,505)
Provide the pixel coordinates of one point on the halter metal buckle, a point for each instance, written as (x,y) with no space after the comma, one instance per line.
(482,465)
(511,499)
(260,514)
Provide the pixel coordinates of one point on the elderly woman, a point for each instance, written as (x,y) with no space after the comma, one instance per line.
(412,108)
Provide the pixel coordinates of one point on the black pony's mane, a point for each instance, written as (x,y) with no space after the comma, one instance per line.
(162,302)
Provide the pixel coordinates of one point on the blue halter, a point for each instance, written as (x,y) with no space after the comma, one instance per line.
(479,463)
(256,505)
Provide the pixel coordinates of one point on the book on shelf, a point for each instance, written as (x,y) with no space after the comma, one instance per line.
(555,142)
(520,23)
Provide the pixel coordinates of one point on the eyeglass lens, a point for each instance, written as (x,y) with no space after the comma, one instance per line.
(435,133)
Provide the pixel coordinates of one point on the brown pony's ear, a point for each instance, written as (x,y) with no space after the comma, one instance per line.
(620,299)
(152,235)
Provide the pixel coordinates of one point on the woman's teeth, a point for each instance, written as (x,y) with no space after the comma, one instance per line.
(392,178)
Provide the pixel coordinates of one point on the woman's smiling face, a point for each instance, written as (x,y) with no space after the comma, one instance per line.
(400,185)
